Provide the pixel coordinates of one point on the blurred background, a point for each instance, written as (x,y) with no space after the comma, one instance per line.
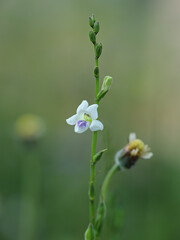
(46,69)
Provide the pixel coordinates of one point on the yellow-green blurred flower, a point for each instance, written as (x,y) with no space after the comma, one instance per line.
(30,127)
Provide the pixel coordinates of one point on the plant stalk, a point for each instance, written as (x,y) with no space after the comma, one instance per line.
(31,187)
(107,179)
(93,152)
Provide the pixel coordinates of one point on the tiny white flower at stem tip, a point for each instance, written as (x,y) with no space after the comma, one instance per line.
(85,118)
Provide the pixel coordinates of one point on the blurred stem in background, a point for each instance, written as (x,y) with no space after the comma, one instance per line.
(31,191)
(30,128)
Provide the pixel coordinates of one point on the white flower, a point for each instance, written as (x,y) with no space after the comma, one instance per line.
(85,117)
(135,149)
(138,148)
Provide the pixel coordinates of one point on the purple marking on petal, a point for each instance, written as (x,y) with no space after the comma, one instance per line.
(81,124)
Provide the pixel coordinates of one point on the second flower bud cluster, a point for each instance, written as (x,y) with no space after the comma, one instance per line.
(92,35)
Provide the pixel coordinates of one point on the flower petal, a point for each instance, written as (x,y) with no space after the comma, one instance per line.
(132,137)
(72,120)
(146,148)
(81,126)
(134,152)
(96,125)
(92,111)
(82,107)
(118,156)
(147,155)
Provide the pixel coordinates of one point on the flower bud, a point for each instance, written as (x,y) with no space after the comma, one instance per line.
(99,218)
(98,156)
(91,22)
(89,234)
(98,50)
(92,37)
(96,72)
(135,149)
(107,82)
(96,27)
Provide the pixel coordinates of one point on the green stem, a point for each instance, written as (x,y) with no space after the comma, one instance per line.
(101,207)
(92,180)
(93,152)
(97,78)
(31,187)
(107,179)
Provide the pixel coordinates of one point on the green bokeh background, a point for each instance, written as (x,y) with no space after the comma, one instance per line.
(46,68)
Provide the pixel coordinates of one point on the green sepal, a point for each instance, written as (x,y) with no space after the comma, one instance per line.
(96,27)
(107,82)
(93,18)
(92,37)
(89,234)
(91,22)
(100,95)
(98,50)
(91,191)
(101,211)
(96,72)
(98,156)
